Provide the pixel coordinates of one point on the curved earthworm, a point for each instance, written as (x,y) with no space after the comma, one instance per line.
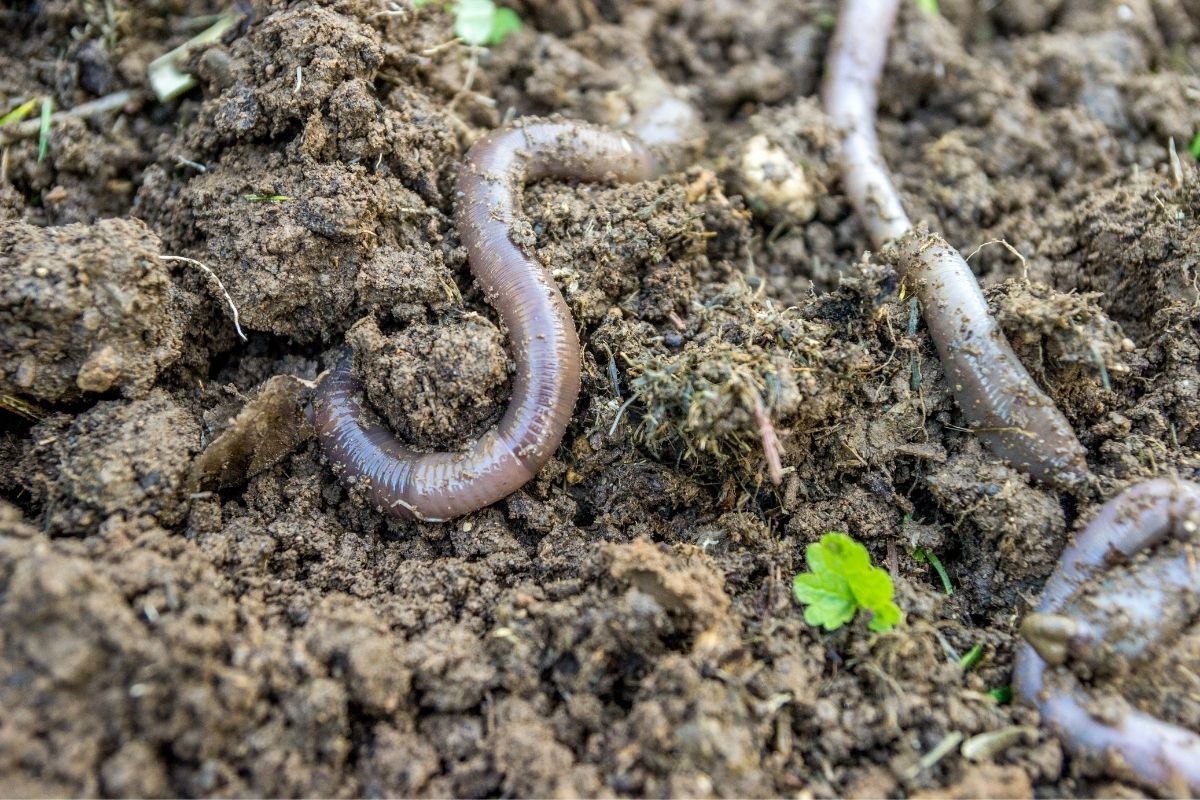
(1124,618)
(999,399)
(438,486)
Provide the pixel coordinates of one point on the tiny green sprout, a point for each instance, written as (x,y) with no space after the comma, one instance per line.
(928,6)
(481,23)
(971,658)
(44,128)
(841,581)
(267,198)
(1194,146)
(1002,694)
(921,554)
(20,112)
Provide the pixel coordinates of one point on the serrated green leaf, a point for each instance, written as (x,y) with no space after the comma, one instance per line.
(885,617)
(504,24)
(474,20)
(874,592)
(830,602)
(837,554)
(842,580)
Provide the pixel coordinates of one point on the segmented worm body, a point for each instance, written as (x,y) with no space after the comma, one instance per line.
(439,486)
(1123,615)
(997,396)
(1001,402)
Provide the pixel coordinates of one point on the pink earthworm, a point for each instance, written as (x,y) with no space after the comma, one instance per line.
(1120,614)
(434,487)
(998,398)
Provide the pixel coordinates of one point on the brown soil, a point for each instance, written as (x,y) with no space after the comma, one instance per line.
(191,604)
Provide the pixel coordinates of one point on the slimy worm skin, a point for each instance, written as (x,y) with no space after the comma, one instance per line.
(998,398)
(1131,609)
(435,487)
(1001,402)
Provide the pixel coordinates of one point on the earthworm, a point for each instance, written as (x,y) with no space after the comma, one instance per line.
(434,487)
(1123,615)
(999,399)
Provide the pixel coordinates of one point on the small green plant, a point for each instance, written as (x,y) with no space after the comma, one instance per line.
(1194,146)
(840,581)
(44,128)
(20,112)
(928,6)
(481,23)
(971,658)
(930,557)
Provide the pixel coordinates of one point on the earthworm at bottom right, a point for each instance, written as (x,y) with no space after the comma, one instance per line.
(1134,606)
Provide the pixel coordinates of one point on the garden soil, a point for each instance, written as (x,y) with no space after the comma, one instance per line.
(192,604)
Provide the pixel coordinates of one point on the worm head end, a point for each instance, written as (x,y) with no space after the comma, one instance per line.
(1050,635)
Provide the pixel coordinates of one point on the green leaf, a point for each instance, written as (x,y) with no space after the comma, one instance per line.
(1002,694)
(504,24)
(971,658)
(928,6)
(1193,146)
(830,602)
(920,554)
(44,128)
(474,20)
(840,581)
(20,112)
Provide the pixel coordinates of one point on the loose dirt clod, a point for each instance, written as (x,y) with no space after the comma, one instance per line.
(120,458)
(84,309)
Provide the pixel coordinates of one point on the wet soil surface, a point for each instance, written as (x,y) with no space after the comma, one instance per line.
(191,604)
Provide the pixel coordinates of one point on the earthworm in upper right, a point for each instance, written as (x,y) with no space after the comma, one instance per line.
(999,399)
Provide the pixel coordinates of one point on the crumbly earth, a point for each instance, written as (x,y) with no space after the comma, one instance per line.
(191,604)
(85,309)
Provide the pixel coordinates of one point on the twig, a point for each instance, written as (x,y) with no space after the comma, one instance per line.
(469,81)
(770,441)
(236,318)
(940,750)
(1011,249)
(1176,166)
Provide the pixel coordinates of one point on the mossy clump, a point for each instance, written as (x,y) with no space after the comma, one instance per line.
(709,398)
(715,391)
